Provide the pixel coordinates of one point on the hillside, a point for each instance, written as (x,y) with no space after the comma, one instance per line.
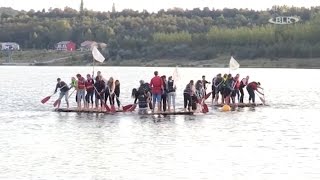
(194,35)
(7,12)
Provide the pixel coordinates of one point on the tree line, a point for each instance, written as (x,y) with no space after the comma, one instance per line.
(196,34)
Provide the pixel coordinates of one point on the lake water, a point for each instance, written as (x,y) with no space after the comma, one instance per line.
(279,141)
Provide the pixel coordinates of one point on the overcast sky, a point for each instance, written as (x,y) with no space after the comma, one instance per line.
(154,5)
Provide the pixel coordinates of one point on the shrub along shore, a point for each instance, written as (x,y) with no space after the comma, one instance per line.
(78,58)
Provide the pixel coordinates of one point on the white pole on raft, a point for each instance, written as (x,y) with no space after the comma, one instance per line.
(92,68)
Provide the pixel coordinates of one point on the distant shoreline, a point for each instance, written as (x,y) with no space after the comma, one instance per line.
(294,64)
(84,58)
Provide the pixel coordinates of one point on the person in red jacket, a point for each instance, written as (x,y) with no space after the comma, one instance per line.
(236,87)
(156,85)
(90,90)
(81,90)
(251,87)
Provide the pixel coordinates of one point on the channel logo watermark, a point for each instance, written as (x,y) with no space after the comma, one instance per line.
(282,20)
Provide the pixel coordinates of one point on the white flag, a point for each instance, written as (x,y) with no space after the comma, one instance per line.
(97,55)
(233,65)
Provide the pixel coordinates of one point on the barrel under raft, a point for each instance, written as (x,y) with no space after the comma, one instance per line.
(240,105)
(75,110)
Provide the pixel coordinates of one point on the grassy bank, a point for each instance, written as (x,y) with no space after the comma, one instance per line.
(78,58)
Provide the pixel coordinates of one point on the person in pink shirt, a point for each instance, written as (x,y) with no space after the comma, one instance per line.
(156,85)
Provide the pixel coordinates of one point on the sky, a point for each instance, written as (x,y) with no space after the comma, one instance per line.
(153,5)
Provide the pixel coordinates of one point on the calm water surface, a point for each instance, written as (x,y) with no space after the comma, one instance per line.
(280,141)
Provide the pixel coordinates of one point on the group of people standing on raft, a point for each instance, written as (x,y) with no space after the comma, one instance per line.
(160,93)
(88,89)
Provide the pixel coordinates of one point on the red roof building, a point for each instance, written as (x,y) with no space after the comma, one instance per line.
(66,46)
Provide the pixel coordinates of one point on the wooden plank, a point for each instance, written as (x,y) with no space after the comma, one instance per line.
(83,110)
(99,111)
(173,113)
(240,105)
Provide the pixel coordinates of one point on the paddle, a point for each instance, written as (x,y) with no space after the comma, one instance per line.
(56,102)
(127,107)
(113,108)
(124,108)
(46,99)
(104,103)
(261,99)
(204,106)
(132,107)
(71,93)
(207,95)
(107,107)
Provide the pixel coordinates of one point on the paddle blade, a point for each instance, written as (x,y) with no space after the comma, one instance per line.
(107,108)
(127,107)
(113,109)
(205,108)
(262,100)
(44,100)
(132,108)
(208,95)
(56,102)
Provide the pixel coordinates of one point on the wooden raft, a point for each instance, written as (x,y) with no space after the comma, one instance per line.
(118,111)
(241,105)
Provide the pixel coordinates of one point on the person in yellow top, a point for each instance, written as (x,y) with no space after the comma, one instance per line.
(74,84)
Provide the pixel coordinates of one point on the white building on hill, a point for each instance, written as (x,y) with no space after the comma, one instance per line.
(9,46)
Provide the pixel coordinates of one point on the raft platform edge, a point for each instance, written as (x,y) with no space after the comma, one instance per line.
(74,110)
